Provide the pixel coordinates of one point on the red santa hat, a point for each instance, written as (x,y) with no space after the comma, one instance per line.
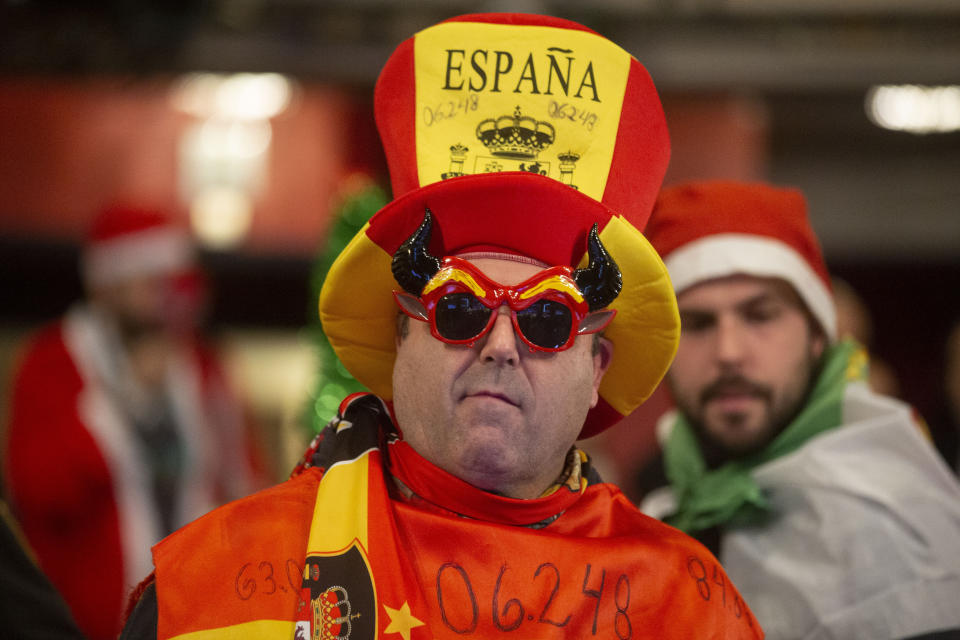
(706,230)
(128,242)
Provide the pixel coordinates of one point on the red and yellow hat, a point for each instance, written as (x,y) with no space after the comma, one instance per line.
(519,133)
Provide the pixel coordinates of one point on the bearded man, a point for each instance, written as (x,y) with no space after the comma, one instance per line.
(830,510)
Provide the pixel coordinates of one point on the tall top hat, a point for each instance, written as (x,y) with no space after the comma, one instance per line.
(519,133)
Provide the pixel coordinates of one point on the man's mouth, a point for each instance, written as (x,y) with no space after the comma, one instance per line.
(734,402)
(495,395)
(733,393)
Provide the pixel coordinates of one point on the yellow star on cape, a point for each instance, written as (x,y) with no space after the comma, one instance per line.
(401,620)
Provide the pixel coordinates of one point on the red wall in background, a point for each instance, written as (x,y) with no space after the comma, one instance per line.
(717,136)
(69,147)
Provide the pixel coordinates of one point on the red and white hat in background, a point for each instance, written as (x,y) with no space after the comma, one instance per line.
(129,242)
(712,229)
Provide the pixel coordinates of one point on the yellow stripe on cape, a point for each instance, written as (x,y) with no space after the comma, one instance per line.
(340,516)
(245,631)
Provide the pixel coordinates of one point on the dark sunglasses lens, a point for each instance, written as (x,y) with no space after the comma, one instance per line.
(460,316)
(546,323)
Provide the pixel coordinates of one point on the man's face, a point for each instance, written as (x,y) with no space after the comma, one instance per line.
(496,414)
(139,305)
(746,357)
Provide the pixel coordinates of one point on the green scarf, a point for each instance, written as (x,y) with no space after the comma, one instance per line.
(728,495)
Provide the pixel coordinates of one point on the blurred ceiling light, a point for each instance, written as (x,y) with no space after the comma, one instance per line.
(221,140)
(223,154)
(241,96)
(914,108)
(221,216)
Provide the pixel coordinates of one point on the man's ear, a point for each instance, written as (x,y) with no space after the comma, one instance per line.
(602,357)
(818,338)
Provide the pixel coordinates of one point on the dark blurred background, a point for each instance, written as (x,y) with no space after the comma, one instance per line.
(101,101)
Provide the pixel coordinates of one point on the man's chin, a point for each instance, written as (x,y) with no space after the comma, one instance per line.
(486,451)
(485,447)
(737,435)
(496,426)
(739,448)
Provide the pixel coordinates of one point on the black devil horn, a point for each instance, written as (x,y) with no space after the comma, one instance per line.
(412,266)
(600,282)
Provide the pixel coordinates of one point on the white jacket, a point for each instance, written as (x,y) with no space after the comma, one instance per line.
(865,541)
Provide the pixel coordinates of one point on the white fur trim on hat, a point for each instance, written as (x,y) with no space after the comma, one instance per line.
(154,251)
(727,254)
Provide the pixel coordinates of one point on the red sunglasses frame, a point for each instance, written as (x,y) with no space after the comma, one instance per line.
(457,275)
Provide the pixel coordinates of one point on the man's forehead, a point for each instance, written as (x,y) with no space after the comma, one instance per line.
(736,290)
(507,269)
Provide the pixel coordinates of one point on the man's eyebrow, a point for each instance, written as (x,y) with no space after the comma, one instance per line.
(699,311)
(786,296)
(763,297)
(697,317)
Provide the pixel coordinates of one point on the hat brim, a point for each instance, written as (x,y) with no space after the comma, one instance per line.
(518,213)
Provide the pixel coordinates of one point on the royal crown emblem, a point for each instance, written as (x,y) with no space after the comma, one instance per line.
(516,136)
(332,617)
(337,601)
(514,144)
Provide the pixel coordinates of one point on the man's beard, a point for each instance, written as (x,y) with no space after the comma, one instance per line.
(134,328)
(715,450)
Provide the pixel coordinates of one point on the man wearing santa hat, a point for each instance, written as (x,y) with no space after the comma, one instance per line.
(525,154)
(824,501)
(122,426)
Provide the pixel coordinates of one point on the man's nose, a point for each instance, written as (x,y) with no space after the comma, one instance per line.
(730,346)
(501,344)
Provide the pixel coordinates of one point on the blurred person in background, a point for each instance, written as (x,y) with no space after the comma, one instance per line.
(122,425)
(823,500)
(855,320)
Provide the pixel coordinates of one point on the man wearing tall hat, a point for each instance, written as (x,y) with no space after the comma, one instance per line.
(827,505)
(122,423)
(504,305)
